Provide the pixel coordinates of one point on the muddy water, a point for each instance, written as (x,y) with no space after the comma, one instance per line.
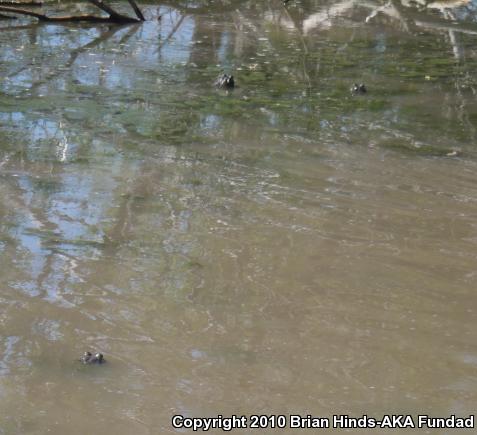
(285,248)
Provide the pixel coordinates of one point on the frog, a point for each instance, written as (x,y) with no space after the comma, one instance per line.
(358,88)
(89,358)
(225,82)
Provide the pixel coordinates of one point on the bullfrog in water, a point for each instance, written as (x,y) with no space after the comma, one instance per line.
(358,89)
(89,358)
(225,82)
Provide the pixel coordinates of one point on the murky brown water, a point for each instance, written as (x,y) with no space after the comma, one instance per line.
(283,248)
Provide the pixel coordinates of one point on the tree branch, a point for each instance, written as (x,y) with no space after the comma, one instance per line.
(13,10)
(25,3)
(137,10)
(113,15)
(104,7)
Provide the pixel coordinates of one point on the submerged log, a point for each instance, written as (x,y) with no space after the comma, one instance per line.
(7,17)
(25,3)
(69,18)
(114,17)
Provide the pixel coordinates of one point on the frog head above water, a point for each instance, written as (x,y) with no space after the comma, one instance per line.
(89,358)
(225,81)
(358,88)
